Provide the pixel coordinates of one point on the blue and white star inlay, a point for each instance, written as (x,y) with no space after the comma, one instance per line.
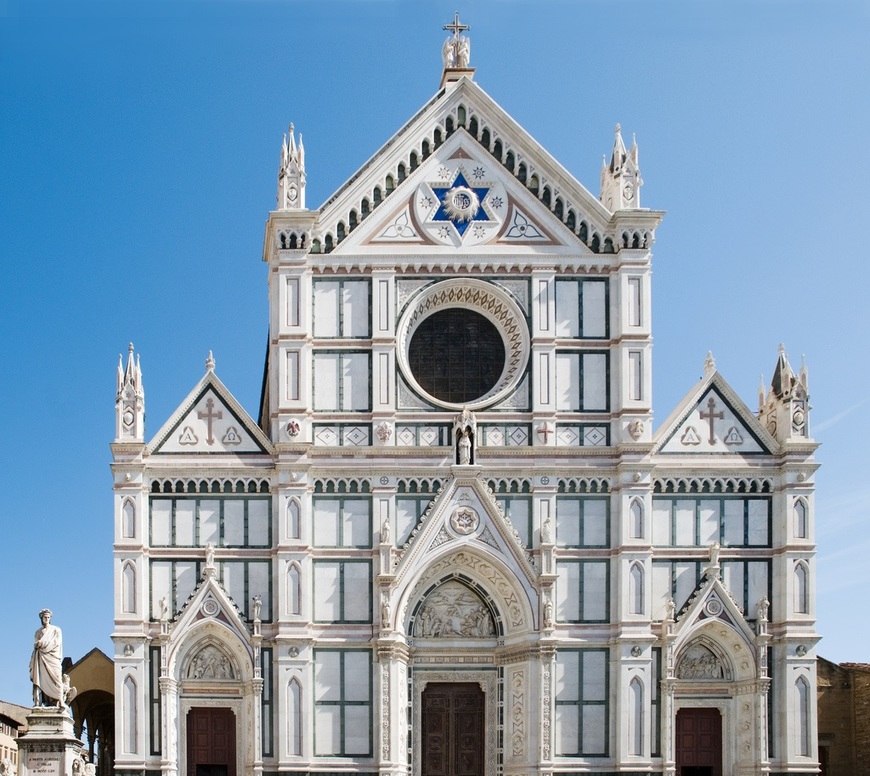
(460,203)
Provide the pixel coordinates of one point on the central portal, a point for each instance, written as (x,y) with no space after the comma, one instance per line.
(211,742)
(453,729)
(699,742)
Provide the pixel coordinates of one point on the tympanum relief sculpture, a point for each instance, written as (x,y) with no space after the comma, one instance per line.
(210,663)
(698,662)
(453,610)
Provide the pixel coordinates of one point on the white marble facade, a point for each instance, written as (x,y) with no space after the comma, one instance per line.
(383,526)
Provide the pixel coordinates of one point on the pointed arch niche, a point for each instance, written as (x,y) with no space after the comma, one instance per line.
(128,588)
(635,519)
(128,519)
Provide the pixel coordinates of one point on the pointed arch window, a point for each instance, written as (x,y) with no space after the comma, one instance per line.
(128,588)
(800,519)
(802,701)
(129,717)
(128,520)
(801,587)
(636,721)
(294,718)
(635,519)
(635,589)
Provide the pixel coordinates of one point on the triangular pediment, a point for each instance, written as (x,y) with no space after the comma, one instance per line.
(462,199)
(465,516)
(712,419)
(211,604)
(702,619)
(512,194)
(210,421)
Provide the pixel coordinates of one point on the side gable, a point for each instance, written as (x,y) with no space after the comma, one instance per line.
(210,421)
(711,419)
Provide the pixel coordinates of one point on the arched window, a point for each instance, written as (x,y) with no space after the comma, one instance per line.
(129,720)
(800,519)
(294,597)
(636,721)
(128,520)
(128,588)
(635,519)
(635,589)
(294,718)
(801,588)
(293,523)
(802,700)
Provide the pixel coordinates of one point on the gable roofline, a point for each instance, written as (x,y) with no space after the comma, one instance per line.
(95,652)
(210,380)
(505,126)
(688,403)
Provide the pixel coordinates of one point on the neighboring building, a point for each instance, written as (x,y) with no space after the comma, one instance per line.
(93,707)
(844,710)
(13,722)
(452,543)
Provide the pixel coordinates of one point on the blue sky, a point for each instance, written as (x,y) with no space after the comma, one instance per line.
(139,147)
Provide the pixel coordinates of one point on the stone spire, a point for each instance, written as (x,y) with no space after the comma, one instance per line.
(785,411)
(130,400)
(291,173)
(620,180)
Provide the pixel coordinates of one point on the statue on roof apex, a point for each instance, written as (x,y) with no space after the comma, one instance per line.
(456,51)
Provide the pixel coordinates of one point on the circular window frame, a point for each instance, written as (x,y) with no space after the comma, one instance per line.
(486,299)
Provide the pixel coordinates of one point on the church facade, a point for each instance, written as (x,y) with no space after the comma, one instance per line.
(451,542)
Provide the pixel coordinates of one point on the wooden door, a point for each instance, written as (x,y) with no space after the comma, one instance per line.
(453,740)
(699,742)
(211,742)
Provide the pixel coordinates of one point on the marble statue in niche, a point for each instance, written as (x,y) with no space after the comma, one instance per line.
(452,610)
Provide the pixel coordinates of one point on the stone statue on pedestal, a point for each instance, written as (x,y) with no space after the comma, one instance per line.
(45,664)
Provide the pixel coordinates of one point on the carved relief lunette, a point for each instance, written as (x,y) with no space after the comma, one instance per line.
(453,610)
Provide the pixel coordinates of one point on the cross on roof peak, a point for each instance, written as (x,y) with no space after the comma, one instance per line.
(457,26)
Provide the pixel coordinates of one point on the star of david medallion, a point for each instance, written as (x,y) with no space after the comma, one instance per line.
(460,203)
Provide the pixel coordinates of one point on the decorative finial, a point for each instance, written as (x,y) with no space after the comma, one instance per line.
(209,362)
(781,349)
(709,364)
(618,128)
(456,51)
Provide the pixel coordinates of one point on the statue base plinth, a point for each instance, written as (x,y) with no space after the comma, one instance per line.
(49,746)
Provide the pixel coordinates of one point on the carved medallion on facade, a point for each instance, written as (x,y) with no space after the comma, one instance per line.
(464,520)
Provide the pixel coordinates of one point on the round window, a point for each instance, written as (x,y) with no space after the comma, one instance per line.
(463,343)
(457,355)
